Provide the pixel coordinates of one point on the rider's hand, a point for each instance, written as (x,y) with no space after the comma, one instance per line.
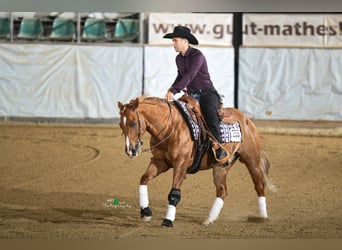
(169,96)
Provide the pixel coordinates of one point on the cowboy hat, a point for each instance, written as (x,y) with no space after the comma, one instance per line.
(183,32)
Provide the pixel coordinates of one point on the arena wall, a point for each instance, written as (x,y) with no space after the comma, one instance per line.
(271,66)
(291,83)
(87,81)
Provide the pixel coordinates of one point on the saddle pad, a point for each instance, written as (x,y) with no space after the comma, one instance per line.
(231,132)
(193,126)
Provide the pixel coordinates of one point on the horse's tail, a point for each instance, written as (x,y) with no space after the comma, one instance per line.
(265,168)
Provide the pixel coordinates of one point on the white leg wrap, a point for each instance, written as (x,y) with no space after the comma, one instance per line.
(171,213)
(215,211)
(262,206)
(143,196)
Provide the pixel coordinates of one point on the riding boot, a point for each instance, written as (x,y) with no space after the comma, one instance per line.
(220,154)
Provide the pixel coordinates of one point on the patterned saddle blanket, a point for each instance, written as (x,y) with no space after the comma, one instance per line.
(230,132)
(190,120)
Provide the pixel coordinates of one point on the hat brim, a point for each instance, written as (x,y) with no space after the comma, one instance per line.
(189,37)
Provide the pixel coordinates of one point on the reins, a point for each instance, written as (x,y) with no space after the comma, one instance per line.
(164,139)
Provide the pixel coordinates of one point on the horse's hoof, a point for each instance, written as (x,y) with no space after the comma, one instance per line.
(207,222)
(146,218)
(146,212)
(167,223)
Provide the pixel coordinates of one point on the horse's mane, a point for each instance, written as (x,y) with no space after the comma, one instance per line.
(152,100)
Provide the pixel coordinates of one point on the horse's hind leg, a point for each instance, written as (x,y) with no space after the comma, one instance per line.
(220,175)
(256,173)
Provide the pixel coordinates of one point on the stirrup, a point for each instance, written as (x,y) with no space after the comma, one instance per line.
(225,159)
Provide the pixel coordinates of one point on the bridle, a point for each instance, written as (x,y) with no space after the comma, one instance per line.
(160,142)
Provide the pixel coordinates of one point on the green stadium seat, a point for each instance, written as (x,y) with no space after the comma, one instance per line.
(62,29)
(94,29)
(126,29)
(5,27)
(30,28)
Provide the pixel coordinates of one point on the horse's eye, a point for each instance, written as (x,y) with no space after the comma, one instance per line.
(133,124)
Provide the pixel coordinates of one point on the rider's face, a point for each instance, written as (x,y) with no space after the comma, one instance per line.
(180,44)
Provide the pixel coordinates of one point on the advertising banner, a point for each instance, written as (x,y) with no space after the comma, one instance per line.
(209,29)
(334,38)
(292,30)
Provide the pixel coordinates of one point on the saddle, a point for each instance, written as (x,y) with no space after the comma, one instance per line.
(194,104)
(193,116)
(203,139)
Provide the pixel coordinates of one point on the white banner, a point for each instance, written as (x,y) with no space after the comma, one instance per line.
(291,84)
(68,81)
(292,30)
(209,29)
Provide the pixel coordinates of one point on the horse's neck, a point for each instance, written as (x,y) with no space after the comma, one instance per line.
(157,118)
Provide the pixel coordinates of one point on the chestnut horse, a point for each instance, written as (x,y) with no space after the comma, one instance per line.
(172,146)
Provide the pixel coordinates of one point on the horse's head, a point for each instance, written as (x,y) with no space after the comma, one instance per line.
(132,127)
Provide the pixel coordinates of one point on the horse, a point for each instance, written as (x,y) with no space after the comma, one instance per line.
(172,147)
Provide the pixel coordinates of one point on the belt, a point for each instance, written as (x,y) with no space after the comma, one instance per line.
(199,91)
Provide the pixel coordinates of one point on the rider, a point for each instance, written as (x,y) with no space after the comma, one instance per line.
(193,75)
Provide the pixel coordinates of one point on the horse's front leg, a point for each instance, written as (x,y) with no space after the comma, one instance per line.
(174,196)
(220,175)
(155,168)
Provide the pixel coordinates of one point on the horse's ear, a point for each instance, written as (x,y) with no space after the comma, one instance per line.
(120,106)
(136,103)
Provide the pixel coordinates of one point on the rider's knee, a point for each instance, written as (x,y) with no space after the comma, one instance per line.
(174,196)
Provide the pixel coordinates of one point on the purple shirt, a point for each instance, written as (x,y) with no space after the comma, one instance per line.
(193,72)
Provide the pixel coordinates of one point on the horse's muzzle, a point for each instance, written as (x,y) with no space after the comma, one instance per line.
(133,151)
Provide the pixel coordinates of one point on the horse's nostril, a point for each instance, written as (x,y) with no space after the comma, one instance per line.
(136,149)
